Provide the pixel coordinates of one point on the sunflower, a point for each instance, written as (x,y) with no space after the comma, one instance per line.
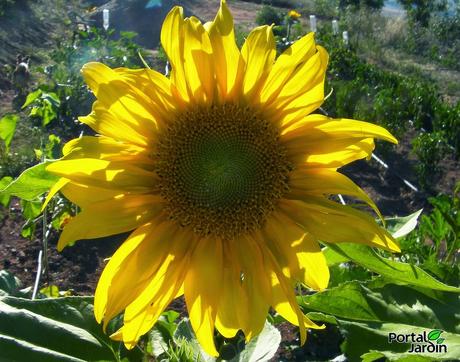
(223,175)
(294,15)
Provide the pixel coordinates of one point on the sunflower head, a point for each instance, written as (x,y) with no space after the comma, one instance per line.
(222,173)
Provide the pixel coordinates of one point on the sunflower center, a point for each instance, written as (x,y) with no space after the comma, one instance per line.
(221,170)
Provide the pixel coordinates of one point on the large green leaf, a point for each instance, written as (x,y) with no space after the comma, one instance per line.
(391,303)
(391,269)
(7,128)
(367,316)
(30,184)
(61,329)
(369,341)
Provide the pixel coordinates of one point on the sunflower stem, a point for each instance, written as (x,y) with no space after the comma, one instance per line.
(45,232)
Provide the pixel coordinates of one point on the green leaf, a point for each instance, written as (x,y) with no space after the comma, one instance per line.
(28,230)
(156,344)
(393,270)
(30,184)
(333,257)
(321,317)
(5,199)
(434,334)
(401,226)
(391,356)
(162,334)
(31,209)
(362,314)
(391,303)
(9,284)
(261,348)
(51,291)
(370,340)
(61,329)
(184,332)
(31,97)
(7,128)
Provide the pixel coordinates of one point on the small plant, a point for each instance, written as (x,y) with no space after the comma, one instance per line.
(430,149)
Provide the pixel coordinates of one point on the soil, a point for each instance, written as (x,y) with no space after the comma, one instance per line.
(78,268)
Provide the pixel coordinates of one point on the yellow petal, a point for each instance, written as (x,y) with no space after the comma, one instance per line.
(349,153)
(331,222)
(154,85)
(169,267)
(304,78)
(104,174)
(172,40)
(312,263)
(144,311)
(258,53)
(142,254)
(55,189)
(232,312)
(226,53)
(297,54)
(298,254)
(255,285)
(332,155)
(111,217)
(302,93)
(106,148)
(316,127)
(201,286)
(108,124)
(198,65)
(283,297)
(353,128)
(126,259)
(140,324)
(324,181)
(129,104)
(83,195)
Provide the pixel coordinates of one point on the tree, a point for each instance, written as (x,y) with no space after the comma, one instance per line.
(420,11)
(373,4)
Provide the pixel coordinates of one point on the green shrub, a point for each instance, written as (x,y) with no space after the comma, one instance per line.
(268,15)
(290,4)
(4,4)
(430,149)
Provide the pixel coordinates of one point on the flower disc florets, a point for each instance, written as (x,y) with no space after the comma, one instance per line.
(221,169)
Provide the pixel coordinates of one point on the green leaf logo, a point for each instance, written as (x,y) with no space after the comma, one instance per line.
(440,340)
(434,334)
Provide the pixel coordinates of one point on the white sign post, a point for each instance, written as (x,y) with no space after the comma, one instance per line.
(345,37)
(313,23)
(105,19)
(335,27)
